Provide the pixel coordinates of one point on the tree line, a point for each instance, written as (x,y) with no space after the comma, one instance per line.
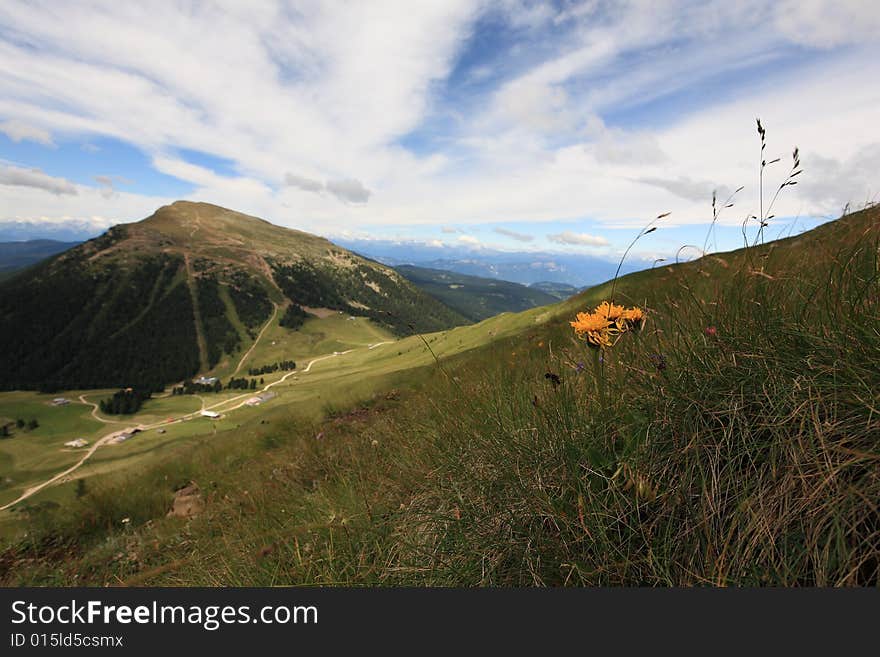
(125,402)
(241,384)
(6,428)
(193,388)
(283,366)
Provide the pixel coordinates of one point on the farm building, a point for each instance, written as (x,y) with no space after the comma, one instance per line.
(79,442)
(259,399)
(60,401)
(206,380)
(211,414)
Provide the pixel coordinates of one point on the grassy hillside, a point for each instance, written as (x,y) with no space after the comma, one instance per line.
(735,441)
(473,297)
(186,291)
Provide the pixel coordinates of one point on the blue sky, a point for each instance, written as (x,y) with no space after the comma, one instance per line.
(510,125)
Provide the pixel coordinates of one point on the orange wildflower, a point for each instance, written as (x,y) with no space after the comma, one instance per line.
(610,310)
(593,328)
(634,317)
(606,323)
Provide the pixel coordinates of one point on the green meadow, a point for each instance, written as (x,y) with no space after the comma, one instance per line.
(336,379)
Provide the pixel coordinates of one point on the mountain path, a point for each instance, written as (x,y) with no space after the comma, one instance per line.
(36,489)
(95,409)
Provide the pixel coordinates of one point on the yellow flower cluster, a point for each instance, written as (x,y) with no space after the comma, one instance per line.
(602,327)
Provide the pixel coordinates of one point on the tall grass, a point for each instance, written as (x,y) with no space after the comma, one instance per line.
(751,458)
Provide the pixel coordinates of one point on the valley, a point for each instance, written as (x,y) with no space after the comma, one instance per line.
(338,357)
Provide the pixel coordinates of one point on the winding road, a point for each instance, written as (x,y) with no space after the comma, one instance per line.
(36,489)
(95,409)
(146,427)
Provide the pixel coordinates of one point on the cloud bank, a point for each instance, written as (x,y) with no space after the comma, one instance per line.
(325,116)
(21,177)
(577,239)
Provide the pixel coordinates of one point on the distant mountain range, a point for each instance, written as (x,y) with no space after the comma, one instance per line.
(67,231)
(524,267)
(17,255)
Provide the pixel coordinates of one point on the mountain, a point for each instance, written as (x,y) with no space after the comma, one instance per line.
(472,296)
(555,290)
(16,255)
(524,267)
(156,301)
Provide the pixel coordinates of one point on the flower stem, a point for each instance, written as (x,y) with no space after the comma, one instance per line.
(599,374)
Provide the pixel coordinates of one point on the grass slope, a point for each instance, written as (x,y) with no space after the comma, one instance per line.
(473,297)
(738,445)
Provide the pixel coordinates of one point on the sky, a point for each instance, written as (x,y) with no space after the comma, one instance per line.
(512,125)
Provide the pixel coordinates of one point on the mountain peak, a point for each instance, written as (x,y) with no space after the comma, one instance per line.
(197,226)
(192,211)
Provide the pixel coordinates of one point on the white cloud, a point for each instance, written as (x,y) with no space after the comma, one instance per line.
(349,190)
(848,181)
(301,182)
(699,191)
(20,131)
(619,147)
(184,170)
(469,240)
(512,234)
(87,212)
(107,184)
(226,190)
(21,177)
(317,88)
(577,239)
(827,24)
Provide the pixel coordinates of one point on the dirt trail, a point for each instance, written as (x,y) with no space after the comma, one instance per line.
(268,386)
(36,489)
(146,427)
(95,409)
(263,330)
